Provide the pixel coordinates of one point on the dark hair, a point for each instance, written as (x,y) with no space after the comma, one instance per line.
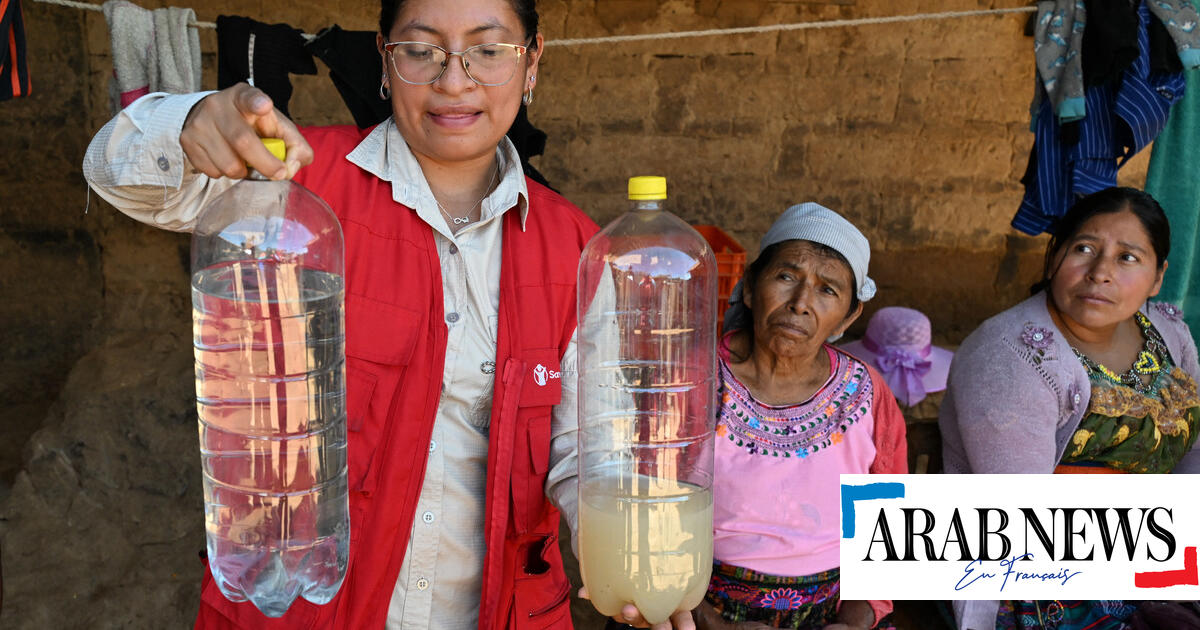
(767,256)
(526,11)
(1107,201)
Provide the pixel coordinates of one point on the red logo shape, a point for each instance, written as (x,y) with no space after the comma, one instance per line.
(1187,576)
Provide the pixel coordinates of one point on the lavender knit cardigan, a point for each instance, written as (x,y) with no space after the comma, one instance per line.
(1014,384)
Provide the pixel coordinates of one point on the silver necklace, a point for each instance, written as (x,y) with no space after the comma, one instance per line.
(467,219)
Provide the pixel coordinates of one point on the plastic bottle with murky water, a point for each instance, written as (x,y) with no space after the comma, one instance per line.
(647,387)
(267,300)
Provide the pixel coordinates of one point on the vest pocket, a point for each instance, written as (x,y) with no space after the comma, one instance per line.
(380,332)
(541,592)
(360,389)
(380,340)
(531,461)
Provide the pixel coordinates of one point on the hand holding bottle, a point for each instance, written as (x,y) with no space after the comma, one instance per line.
(630,615)
(221,135)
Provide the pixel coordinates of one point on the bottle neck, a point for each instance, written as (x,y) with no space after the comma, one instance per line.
(649,205)
(256,176)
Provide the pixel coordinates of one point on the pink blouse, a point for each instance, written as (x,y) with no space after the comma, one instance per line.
(777,472)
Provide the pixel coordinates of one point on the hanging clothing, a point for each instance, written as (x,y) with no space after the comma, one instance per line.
(1108,47)
(1110,43)
(1174,180)
(1181,19)
(261,55)
(153,51)
(14,68)
(356,71)
(1122,119)
(1057,44)
(1163,56)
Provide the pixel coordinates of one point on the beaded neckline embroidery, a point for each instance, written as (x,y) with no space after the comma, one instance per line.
(1149,361)
(797,430)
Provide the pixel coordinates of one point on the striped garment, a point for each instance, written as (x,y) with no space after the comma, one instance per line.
(1121,120)
(14,70)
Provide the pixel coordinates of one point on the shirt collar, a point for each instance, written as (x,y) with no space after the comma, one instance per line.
(385,154)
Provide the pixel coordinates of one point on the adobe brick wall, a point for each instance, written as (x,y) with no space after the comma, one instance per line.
(916,132)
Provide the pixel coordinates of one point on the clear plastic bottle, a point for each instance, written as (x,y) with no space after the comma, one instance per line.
(647,386)
(267,300)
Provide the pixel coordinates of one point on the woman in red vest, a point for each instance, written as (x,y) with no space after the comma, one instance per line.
(460,287)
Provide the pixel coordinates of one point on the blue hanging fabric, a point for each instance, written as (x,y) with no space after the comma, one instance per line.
(1121,120)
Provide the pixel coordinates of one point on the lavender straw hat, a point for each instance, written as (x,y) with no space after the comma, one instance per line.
(898,344)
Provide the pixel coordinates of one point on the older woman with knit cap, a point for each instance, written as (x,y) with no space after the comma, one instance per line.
(795,414)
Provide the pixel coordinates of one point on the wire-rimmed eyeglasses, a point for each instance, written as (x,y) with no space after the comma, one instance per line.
(422,63)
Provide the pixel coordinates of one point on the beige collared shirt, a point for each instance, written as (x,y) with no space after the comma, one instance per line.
(136,163)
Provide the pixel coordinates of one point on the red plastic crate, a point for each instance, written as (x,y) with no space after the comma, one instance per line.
(731,262)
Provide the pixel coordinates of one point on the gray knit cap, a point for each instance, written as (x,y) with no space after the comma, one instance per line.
(813,222)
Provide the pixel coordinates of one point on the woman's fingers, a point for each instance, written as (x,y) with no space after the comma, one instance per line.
(251,101)
(247,145)
(679,621)
(271,123)
(632,616)
(707,618)
(223,132)
(299,153)
(198,157)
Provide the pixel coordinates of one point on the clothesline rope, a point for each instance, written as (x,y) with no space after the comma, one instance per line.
(771,28)
(745,30)
(87,6)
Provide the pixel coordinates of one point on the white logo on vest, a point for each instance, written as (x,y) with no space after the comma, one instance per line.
(541,375)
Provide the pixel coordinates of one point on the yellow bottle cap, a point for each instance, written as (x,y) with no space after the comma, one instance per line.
(276,147)
(647,187)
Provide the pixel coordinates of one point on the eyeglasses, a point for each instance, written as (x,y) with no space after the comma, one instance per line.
(419,63)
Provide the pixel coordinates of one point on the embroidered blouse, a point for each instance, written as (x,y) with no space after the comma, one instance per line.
(1134,427)
(777,473)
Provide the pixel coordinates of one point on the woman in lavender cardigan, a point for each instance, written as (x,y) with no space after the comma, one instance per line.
(1085,376)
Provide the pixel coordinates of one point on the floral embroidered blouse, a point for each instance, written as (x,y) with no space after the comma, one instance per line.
(777,475)
(1138,429)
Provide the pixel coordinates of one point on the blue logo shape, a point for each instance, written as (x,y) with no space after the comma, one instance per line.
(850,494)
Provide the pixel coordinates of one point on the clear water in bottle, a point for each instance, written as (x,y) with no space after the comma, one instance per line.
(271,401)
(268,335)
(647,384)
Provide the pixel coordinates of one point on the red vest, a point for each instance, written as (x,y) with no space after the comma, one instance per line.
(395,353)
